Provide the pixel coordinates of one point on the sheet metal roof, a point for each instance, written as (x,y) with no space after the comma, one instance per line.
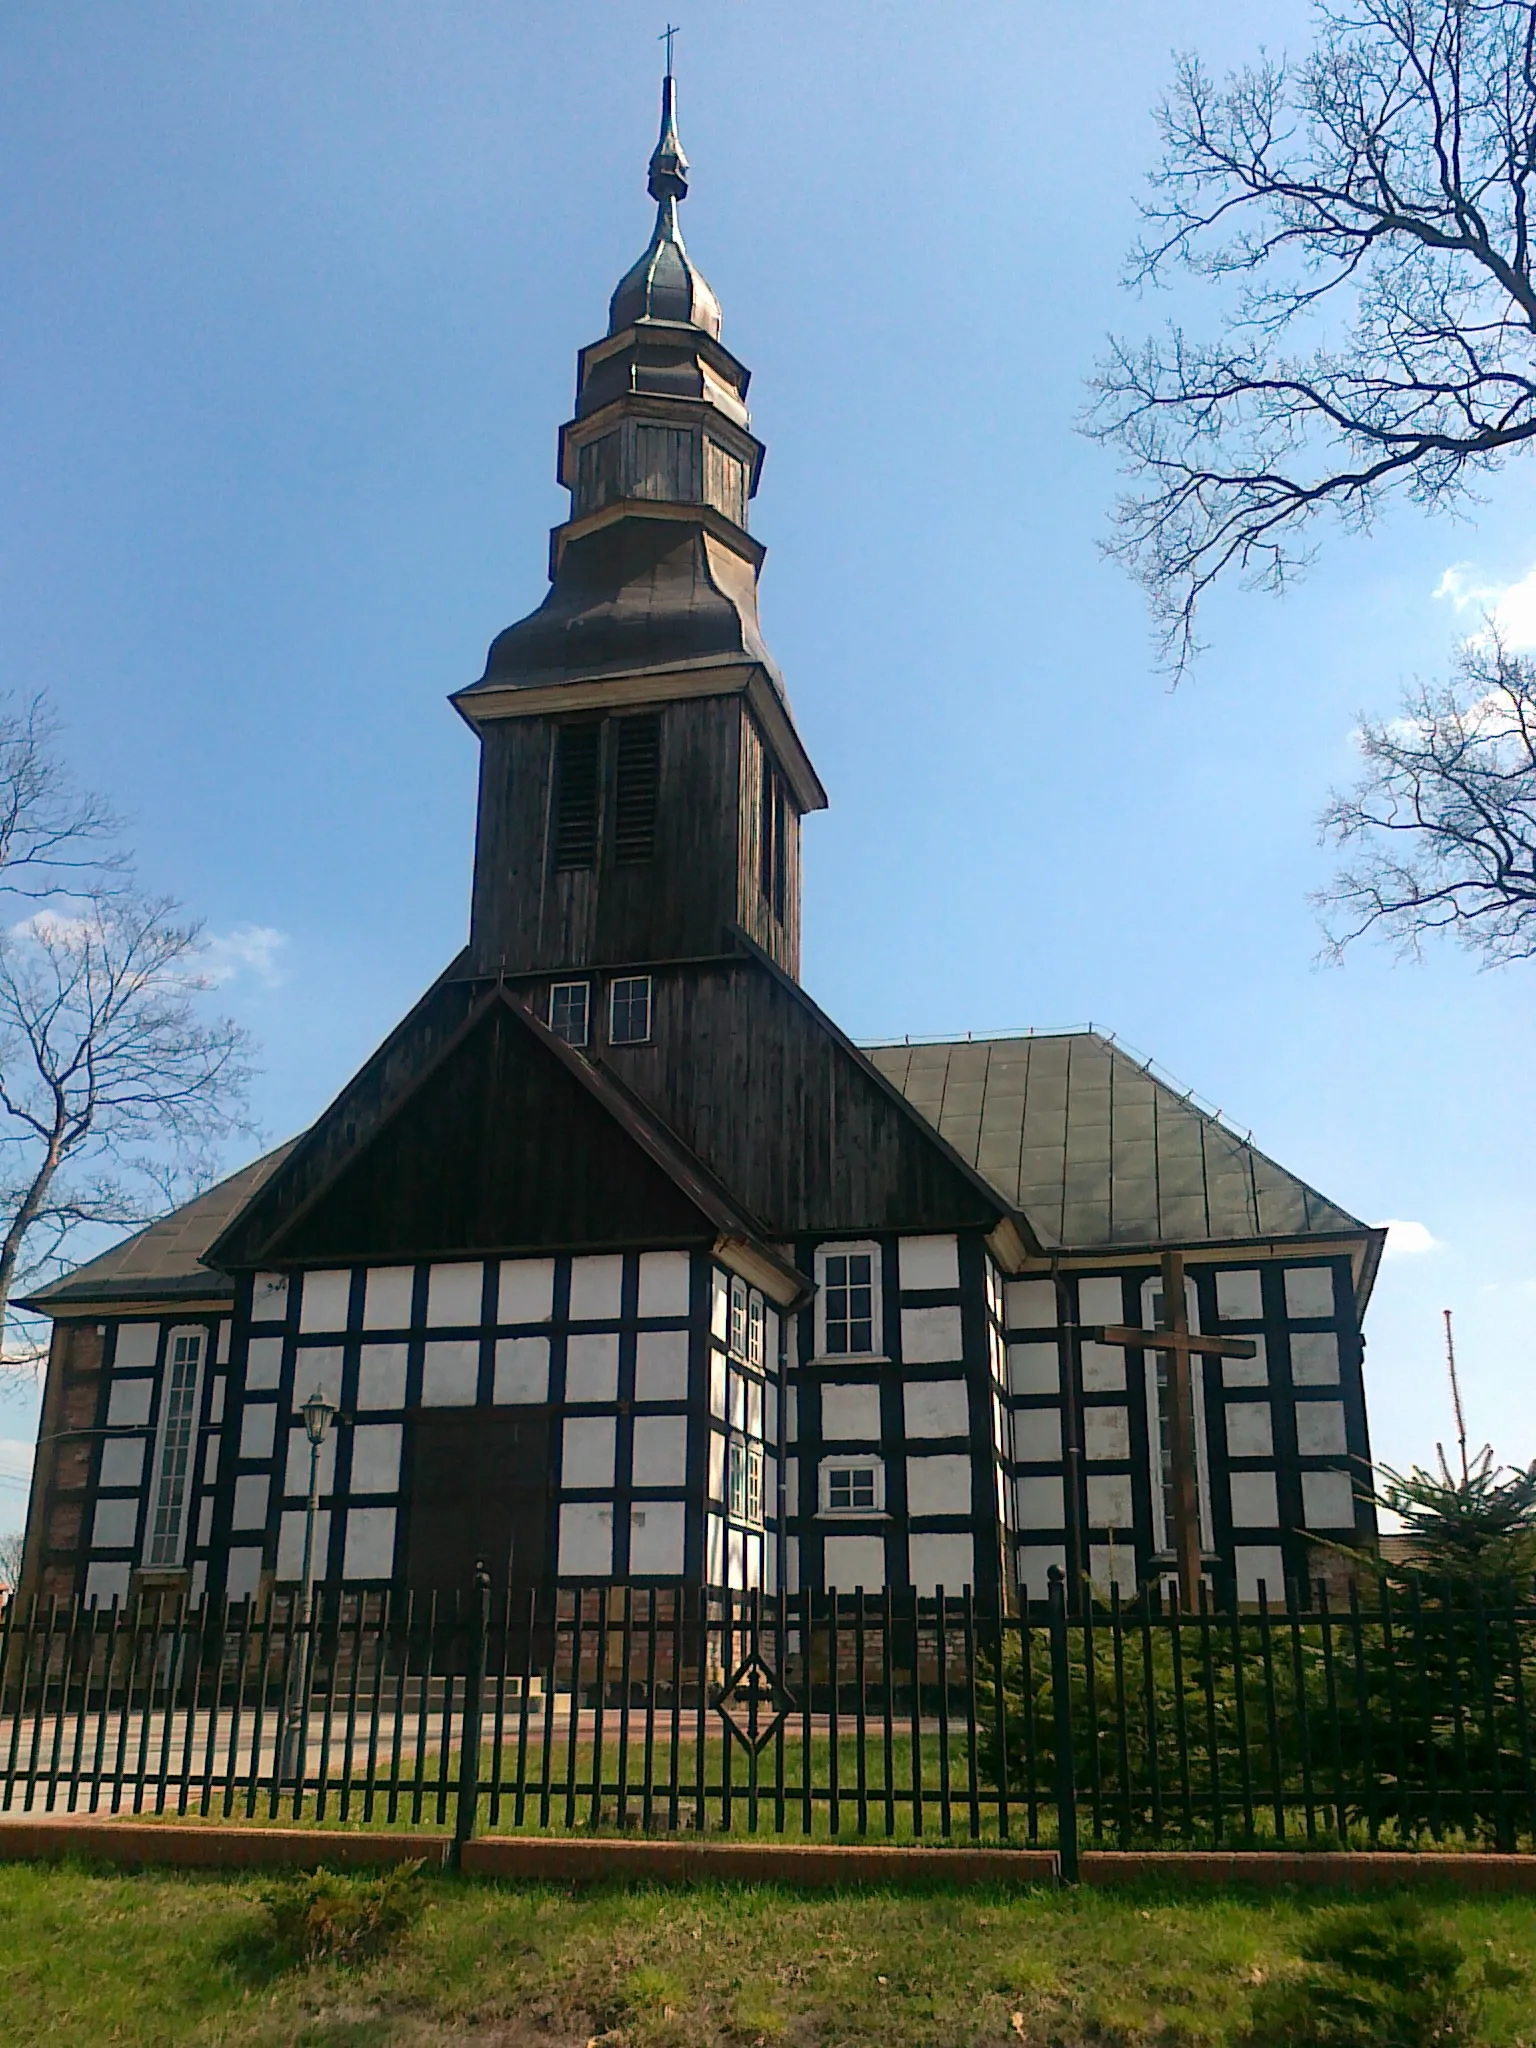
(1096,1150)
(164,1261)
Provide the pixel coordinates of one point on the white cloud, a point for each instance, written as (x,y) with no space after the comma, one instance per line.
(1409,1240)
(1510,607)
(255,949)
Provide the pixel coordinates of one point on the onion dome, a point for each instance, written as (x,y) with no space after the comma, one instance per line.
(665,284)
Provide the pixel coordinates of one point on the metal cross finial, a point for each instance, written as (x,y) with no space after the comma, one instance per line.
(666,36)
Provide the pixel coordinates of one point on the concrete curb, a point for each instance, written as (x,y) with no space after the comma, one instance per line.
(135,1846)
(812,1865)
(1363,1871)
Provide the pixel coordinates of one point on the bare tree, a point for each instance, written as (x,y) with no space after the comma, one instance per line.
(51,832)
(113,1086)
(12,1545)
(1443,822)
(1364,218)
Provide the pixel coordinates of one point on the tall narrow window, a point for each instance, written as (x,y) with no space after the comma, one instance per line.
(636,782)
(848,1295)
(629,1010)
(576,785)
(780,850)
(773,841)
(177,1443)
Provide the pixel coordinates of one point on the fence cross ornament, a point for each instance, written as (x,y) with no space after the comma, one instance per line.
(1176,1344)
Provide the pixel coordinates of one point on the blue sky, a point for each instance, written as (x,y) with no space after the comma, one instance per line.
(292,294)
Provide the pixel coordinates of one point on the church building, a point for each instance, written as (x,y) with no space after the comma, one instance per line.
(620,1260)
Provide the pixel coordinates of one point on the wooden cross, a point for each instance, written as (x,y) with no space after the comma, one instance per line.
(666,36)
(1173,1341)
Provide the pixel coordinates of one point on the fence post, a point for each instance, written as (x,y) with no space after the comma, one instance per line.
(467,1803)
(1061,1703)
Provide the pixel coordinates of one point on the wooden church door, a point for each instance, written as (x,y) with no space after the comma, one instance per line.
(479,1489)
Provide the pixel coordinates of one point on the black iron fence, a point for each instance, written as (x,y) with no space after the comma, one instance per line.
(1403,1723)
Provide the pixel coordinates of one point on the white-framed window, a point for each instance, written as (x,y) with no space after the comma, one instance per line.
(744,1482)
(848,1301)
(1159,1457)
(629,1010)
(175,1447)
(570,1004)
(755,1330)
(853,1485)
(739,1317)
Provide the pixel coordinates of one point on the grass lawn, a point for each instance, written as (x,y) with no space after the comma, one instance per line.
(92,1957)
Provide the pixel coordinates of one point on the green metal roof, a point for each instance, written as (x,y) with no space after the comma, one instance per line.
(1096,1150)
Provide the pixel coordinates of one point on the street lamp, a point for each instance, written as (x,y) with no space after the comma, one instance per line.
(319,1413)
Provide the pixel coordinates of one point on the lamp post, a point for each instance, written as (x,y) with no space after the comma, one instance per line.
(318,1413)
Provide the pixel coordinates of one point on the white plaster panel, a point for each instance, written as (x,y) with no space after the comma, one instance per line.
(1239,1297)
(205,1521)
(1109,1501)
(1256,1562)
(587,1451)
(719,1304)
(455,1296)
(269,1298)
(1250,1432)
(216,1399)
(661,1365)
(323,1301)
(792,1564)
(128,1403)
(1247,1372)
(930,1336)
(115,1524)
(368,1548)
(770,1340)
(450,1373)
(592,1365)
(716,1466)
(664,1285)
(522,1370)
(852,1561)
(1041,1503)
(586,1539)
(660,1450)
(317,1366)
(936,1408)
(1103,1368)
(242,1574)
(258,1429)
(1030,1304)
(105,1583)
(1106,1433)
(137,1346)
(596,1288)
(1320,1428)
(1314,1358)
(931,1262)
(656,1534)
(376,1459)
(290,1543)
(296,1467)
(381,1376)
(1100,1299)
(1308,1292)
(1111,1565)
(1255,1504)
(754,1408)
(791,1416)
(525,1291)
(735,1559)
(199,1582)
(264,1363)
(221,1344)
(736,1405)
(211,1448)
(1327,1500)
(717,1383)
(850,1414)
(939,1486)
(1036,1562)
(122,1461)
(1037,1436)
(387,1297)
(935,1560)
(1034,1368)
(252,1492)
(714,1550)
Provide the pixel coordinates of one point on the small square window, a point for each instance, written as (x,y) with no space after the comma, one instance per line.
(629,1020)
(568,1005)
(851,1489)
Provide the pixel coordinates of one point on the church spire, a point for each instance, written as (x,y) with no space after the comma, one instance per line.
(665,284)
